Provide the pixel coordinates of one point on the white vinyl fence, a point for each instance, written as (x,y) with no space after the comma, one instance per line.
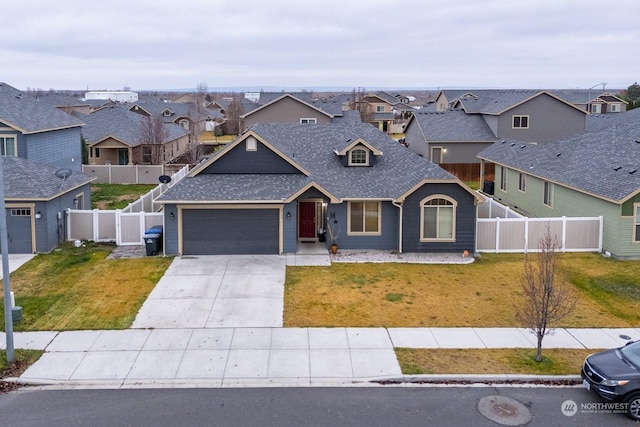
(146,202)
(573,234)
(111,226)
(124,174)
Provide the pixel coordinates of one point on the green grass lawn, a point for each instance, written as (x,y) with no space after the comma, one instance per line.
(79,288)
(117,196)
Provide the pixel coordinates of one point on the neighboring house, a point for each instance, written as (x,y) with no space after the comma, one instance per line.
(523,115)
(383,110)
(41,150)
(451,139)
(279,185)
(185,115)
(37,131)
(593,101)
(286,109)
(117,136)
(37,196)
(593,174)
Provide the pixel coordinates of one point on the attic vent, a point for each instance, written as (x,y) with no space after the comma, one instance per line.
(633,171)
(522,146)
(503,141)
(617,169)
(513,144)
(559,154)
(637,141)
(349,140)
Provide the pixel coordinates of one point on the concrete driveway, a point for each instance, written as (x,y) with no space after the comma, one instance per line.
(213,291)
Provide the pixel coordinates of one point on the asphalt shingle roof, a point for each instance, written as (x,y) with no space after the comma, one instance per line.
(454,125)
(312,147)
(123,125)
(27,114)
(25,179)
(605,163)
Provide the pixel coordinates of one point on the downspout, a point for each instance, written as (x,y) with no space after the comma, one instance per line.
(399,206)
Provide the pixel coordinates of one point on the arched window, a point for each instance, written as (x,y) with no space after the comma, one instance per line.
(438,218)
(359,156)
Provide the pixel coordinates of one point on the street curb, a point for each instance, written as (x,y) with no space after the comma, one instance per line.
(467,379)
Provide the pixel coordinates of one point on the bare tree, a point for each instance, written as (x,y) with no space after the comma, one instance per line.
(232,115)
(152,137)
(547,296)
(202,92)
(363,107)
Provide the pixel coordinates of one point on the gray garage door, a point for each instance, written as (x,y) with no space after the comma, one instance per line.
(19,230)
(230,231)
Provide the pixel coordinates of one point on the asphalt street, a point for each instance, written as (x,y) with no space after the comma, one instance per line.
(383,406)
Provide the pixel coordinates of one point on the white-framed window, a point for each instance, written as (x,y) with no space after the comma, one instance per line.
(636,223)
(615,108)
(520,122)
(359,157)
(548,194)
(503,178)
(596,108)
(184,123)
(166,113)
(522,182)
(8,145)
(21,212)
(251,144)
(308,121)
(94,152)
(364,218)
(379,108)
(436,154)
(438,219)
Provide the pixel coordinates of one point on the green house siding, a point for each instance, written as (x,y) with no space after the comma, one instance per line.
(617,229)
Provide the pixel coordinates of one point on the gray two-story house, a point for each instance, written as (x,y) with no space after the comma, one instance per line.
(41,148)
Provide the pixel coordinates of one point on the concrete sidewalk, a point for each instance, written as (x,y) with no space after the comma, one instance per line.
(235,357)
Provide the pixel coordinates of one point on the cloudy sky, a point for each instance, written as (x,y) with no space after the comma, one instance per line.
(169,44)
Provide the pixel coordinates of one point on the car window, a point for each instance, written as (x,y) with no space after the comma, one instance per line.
(631,352)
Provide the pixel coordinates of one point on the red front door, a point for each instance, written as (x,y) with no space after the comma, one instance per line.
(307,220)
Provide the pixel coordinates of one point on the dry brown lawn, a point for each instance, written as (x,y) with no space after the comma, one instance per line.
(481,294)
(78,288)
(491,361)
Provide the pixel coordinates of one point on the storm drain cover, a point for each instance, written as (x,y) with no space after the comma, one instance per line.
(504,410)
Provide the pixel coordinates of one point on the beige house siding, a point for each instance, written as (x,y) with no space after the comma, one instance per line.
(286,110)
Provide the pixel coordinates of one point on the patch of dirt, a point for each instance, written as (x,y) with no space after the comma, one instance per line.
(14,370)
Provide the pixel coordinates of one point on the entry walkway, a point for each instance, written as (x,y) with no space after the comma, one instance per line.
(233,357)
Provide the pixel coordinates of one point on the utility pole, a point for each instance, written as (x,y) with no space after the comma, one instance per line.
(4,247)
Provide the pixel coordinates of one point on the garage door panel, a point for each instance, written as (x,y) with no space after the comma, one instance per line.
(19,231)
(230,231)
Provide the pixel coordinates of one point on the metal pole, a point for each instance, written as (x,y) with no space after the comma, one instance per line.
(4,247)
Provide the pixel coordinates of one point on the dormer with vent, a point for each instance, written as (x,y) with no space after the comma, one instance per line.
(357,153)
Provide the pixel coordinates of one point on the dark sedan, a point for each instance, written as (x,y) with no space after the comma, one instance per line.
(615,376)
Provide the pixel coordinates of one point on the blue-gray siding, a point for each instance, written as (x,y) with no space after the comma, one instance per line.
(465,220)
(61,148)
(238,160)
(388,239)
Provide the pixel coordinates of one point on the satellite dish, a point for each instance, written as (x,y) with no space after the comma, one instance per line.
(63,174)
(164,179)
